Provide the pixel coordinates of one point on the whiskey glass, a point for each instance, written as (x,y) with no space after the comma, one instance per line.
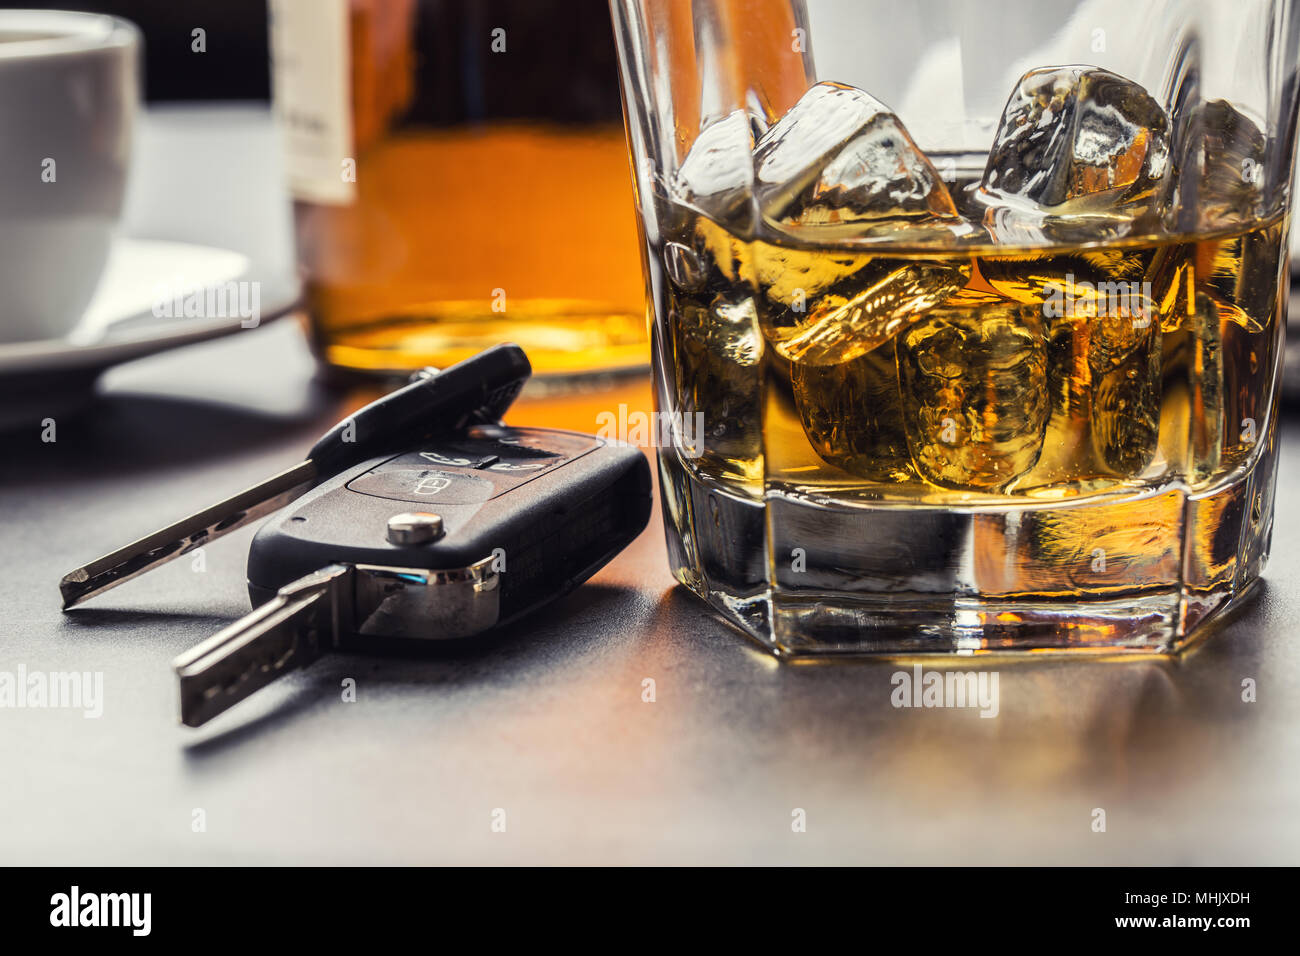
(967,317)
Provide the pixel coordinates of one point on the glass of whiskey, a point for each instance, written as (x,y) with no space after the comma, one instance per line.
(967,318)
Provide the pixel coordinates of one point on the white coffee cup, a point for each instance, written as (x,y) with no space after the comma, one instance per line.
(69,92)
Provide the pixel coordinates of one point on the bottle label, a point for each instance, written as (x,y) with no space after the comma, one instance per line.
(311,94)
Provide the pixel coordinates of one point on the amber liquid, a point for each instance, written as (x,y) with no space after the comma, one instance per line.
(977,375)
(465,237)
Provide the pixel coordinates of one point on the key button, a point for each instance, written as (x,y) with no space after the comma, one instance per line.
(424,485)
(454,460)
(518,467)
(415,527)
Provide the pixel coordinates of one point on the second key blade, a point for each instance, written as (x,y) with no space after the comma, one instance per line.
(186,535)
(288,632)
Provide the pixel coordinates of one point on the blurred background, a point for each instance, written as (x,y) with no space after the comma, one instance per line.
(430,199)
(235,66)
(578,52)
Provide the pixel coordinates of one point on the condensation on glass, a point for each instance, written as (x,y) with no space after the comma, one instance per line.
(968,318)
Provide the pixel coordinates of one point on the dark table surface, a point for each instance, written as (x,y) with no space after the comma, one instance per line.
(549,724)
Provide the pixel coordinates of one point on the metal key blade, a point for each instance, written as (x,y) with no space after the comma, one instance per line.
(187,534)
(288,632)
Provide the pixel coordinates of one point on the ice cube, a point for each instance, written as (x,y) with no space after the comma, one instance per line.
(700,255)
(1072,133)
(1205,374)
(852,414)
(709,217)
(822,307)
(1249,360)
(1191,364)
(684,266)
(716,348)
(1220,157)
(1116,334)
(1125,361)
(974,387)
(1244,275)
(1172,278)
(1073,283)
(1103,310)
(1126,418)
(840,158)
(838,166)
(717,175)
(1241,274)
(1012,224)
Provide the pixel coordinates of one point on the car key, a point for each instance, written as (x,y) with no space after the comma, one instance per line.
(445,541)
(479,389)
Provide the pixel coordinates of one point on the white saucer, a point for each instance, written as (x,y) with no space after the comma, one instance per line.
(57,376)
(120,324)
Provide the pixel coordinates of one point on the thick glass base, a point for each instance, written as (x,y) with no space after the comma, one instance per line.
(808,576)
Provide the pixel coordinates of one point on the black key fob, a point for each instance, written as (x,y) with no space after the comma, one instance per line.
(461,535)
